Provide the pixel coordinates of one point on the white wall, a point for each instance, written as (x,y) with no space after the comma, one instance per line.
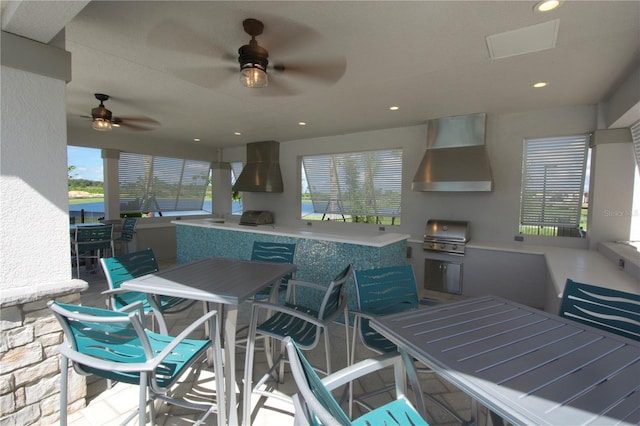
(34,241)
(492,216)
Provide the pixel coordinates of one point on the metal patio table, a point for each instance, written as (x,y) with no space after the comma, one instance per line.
(526,365)
(222,281)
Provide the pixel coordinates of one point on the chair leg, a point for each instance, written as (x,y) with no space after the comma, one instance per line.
(142,401)
(327,349)
(64,380)
(248,369)
(346,332)
(78,265)
(356,324)
(283,354)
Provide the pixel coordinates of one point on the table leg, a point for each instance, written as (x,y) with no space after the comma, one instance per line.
(230,323)
(414,382)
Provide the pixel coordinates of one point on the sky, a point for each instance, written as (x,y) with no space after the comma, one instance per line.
(87,162)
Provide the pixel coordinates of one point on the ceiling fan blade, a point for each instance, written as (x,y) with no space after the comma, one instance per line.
(276,87)
(174,35)
(135,127)
(206,77)
(282,35)
(326,72)
(127,120)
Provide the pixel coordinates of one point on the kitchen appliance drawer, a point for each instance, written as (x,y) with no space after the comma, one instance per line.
(443,276)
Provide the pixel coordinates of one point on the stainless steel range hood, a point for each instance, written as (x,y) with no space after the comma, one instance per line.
(456,158)
(262,171)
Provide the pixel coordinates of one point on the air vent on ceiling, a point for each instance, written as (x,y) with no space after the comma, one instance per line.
(523,40)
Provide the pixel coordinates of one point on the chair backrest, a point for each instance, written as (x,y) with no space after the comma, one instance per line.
(93,237)
(321,406)
(128,228)
(384,291)
(102,339)
(333,300)
(612,310)
(121,268)
(274,252)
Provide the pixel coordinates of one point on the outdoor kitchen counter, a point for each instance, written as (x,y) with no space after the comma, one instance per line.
(587,266)
(319,256)
(373,239)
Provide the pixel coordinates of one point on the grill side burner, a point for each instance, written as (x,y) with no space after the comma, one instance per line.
(446,236)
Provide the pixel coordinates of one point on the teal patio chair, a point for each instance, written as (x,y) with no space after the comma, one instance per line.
(127,232)
(266,251)
(273,252)
(611,310)
(380,292)
(91,243)
(306,324)
(116,346)
(314,404)
(119,269)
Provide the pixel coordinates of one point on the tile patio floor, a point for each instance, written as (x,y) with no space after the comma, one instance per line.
(110,406)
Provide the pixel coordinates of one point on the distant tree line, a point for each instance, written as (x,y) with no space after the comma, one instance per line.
(90,186)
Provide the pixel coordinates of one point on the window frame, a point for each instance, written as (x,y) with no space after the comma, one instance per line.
(552,186)
(333,179)
(180,194)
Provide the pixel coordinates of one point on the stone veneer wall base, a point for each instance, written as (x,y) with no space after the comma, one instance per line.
(29,359)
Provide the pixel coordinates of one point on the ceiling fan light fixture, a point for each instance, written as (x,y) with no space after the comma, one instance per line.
(101,115)
(101,125)
(253,58)
(253,77)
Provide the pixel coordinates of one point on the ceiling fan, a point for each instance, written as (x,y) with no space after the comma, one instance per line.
(285,40)
(254,62)
(103,120)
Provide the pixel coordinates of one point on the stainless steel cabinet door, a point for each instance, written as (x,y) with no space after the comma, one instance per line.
(440,275)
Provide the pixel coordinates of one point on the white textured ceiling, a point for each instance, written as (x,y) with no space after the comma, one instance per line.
(175,62)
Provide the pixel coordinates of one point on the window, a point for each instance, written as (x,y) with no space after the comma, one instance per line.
(553,186)
(152,184)
(359,187)
(86,188)
(236,197)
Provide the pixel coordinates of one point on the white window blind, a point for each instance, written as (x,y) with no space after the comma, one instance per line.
(236,169)
(553,181)
(160,184)
(359,183)
(635,135)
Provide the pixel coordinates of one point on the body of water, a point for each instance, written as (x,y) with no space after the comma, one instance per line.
(97,209)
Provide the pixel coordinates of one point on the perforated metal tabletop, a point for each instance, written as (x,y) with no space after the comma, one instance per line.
(528,366)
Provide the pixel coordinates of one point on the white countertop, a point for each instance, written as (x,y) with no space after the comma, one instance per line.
(372,239)
(586,266)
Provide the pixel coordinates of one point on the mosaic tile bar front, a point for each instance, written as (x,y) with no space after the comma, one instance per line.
(318,261)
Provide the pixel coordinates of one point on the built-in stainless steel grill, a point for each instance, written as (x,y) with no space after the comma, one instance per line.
(446,236)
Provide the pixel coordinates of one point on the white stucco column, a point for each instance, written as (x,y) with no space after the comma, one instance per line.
(221,188)
(111,184)
(33,175)
(612,172)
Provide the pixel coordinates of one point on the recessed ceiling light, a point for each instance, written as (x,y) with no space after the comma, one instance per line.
(237,133)
(540,84)
(196,139)
(394,108)
(546,5)
(301,123)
